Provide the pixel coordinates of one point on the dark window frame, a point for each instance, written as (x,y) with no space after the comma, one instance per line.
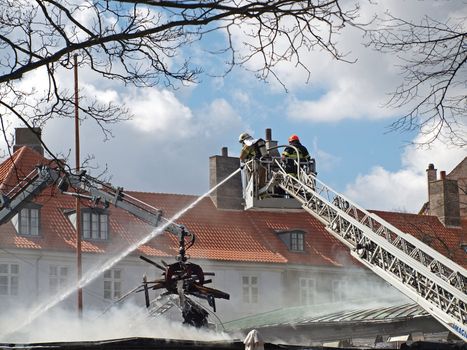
(92,228)
(294,239)
(297,241)
(21,226)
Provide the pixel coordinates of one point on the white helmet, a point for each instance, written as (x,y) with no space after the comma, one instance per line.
(244,136)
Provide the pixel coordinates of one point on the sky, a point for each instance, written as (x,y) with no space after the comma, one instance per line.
(339,115)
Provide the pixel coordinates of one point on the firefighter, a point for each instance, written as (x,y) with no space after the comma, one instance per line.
(253,149)
(289,155)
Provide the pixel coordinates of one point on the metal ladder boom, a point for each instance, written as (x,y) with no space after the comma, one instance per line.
(26,188)
(103,192)
(85,186)
(429,278)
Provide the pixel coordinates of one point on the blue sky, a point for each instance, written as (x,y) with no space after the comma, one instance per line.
(338,113)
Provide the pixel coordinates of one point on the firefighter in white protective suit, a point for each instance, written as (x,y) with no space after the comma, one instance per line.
(253,149)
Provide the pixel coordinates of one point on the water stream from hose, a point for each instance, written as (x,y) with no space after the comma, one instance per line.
(92,274)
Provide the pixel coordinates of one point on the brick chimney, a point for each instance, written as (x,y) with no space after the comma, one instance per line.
(230,194)
(29,138)
(444,200)
(270,143)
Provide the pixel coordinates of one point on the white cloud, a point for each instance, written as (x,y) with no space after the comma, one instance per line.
(102,95)
(165,148)
(336,90)
(444,157)
(348,100)
(241,96)
(381,189)
(217,118)
(404,189)
(166,136)
(159,112)
(339,90)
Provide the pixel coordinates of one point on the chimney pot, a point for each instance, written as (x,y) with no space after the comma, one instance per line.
(225,152)
(442,174)
(431,175)
(268,134)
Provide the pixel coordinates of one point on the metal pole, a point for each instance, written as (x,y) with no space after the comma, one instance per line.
(79,267)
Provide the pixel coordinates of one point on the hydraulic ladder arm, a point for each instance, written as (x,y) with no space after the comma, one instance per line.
(98,191)
(429,278)
(85,186)
(28,187)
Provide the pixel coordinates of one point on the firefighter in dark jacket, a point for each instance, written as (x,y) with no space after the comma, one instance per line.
(289,155)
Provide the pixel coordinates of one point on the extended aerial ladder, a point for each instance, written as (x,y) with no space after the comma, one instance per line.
(429,278)
(85,187)
(181,278)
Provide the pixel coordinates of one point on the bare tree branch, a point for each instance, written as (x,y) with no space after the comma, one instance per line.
(144,43)
(434,71)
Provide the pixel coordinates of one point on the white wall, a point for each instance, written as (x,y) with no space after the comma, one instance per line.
(274,289)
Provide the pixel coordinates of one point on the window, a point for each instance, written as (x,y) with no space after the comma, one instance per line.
(58,278)
(9,279)
(26,222)
(112,284)
(338,290)
(296,241)
(307,287)
(250,289)
(95,224)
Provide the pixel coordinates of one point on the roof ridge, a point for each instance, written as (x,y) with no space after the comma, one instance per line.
(375,211)
(165,193)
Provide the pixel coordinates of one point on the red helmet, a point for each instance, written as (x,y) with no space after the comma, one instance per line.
(293,138)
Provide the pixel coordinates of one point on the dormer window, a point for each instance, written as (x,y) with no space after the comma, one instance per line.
(94,223)
(294,239)
(27,221)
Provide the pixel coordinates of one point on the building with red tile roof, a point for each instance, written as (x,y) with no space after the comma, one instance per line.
(263,258)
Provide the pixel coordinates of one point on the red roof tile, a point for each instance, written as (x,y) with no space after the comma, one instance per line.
(430,230)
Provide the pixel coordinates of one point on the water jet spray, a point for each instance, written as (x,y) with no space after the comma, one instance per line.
(99,193)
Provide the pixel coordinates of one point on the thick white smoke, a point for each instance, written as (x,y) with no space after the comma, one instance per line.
(124,322)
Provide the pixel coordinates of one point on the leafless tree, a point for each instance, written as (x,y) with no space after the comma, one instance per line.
(144,42)
(434,70)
